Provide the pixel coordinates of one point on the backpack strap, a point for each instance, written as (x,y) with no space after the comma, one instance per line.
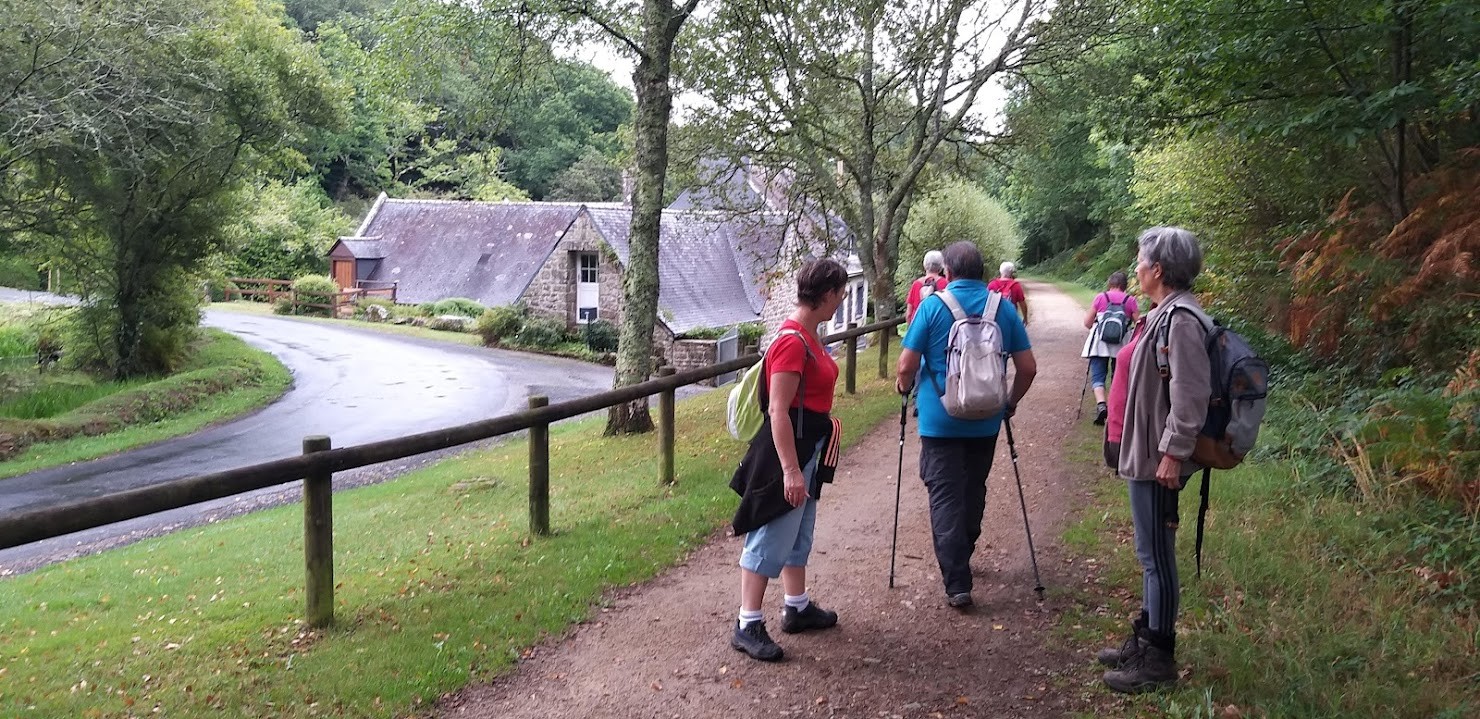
(1202,513)
(765,396)
(1161,336)
(952,304)
(994,302)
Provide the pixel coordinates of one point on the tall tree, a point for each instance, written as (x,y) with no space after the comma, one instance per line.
(211,90)
(856,99)
(648,31)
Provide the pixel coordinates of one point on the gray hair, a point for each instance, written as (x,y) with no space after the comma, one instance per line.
(1007,269)
(1178,253)
(935,262)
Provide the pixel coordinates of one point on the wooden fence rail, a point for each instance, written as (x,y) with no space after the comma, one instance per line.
(318,463)
(271,290)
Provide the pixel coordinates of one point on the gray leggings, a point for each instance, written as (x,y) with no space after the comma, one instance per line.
(1154,513)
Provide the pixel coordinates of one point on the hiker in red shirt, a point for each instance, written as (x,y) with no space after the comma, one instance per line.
(935,279)
(781,476)
(1010,288)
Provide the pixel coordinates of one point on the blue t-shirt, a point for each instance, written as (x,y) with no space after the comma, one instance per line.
(928,335)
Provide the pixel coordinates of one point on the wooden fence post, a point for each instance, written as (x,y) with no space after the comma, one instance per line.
(666,429)
(318,538)
(851,353)
(539,472)
(884,351)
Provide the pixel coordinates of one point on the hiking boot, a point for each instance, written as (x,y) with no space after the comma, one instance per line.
(754,641)
(1113,657)
(812,617)
(1100,413)
(1148,670)
(960,600)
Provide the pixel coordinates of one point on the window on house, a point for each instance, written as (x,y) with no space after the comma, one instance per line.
(588,265)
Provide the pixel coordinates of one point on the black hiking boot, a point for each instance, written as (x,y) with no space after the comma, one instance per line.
(1101,411)
(1114,657)
(812,617)
(754,641)
(1153,668)
(960,600)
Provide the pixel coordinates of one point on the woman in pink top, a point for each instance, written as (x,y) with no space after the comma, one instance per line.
(1119,388)
(1099,349)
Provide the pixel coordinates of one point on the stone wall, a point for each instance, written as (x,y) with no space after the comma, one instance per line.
(553,290)
(685,355)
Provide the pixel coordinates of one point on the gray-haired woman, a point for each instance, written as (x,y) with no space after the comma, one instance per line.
(1163,416)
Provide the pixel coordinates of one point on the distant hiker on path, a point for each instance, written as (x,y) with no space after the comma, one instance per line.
(934,280)
(956,454)
(1163,417)
(1008,285)
(1110,321)
(798,445)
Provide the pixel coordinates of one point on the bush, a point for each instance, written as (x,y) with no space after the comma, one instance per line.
(427,309)
(283,306)
(458,306)
(541,332)
(316,290)
(19,273)
(750,334)
(602,336)
(497,324)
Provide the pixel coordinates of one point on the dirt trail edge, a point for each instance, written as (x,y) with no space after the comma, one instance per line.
(662,649)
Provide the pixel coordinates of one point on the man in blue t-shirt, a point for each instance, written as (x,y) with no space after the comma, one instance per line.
(955,454)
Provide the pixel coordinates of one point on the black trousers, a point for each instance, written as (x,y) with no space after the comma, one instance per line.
(955,474)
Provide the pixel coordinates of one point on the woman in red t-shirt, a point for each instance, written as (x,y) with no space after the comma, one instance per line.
(935,279)
(781,475)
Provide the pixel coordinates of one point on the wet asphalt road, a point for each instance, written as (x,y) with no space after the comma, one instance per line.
(354,385)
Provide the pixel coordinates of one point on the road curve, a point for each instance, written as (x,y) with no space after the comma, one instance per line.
(354,385)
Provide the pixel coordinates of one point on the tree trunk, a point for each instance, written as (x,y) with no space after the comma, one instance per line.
(640,277)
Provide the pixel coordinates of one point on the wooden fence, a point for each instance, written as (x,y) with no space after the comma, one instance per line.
(271,290)
(318,463)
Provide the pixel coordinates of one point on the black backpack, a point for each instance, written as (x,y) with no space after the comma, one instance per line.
(1236,405)
(1114,320)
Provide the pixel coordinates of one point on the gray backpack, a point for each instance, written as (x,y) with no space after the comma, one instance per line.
(976,365)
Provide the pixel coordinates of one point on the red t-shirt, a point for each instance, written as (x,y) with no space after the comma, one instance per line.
(913,300)
(819,374)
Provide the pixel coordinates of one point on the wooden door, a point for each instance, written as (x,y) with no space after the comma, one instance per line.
(344,274)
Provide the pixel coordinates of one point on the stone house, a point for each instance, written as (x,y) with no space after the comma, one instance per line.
(717,268)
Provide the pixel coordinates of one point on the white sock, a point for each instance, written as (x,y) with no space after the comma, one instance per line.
(748,618)
(798,602)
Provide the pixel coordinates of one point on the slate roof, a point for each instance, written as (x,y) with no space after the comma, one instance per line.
(364,248)
(711,267)
(485,251)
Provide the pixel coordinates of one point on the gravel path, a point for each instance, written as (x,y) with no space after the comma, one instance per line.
(661,649)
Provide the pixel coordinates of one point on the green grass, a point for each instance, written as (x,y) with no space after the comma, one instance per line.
(438,582)
(224,378)
(1310,605)
(62,397)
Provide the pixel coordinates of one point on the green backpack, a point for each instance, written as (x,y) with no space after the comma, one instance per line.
(744,413)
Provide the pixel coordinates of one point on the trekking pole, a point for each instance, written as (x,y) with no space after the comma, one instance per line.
(904,403)
(1032,554)
(1080,412)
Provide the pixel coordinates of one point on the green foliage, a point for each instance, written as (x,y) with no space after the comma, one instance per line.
(363,311)
(313,290)
(570,114)
(284,232)
(542,331)
(461,306)
(954,212)
(593,178)
(61,397)
(601,336)
(215,91)
(751,333)
(499,323)
(20,273)
(284,306)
